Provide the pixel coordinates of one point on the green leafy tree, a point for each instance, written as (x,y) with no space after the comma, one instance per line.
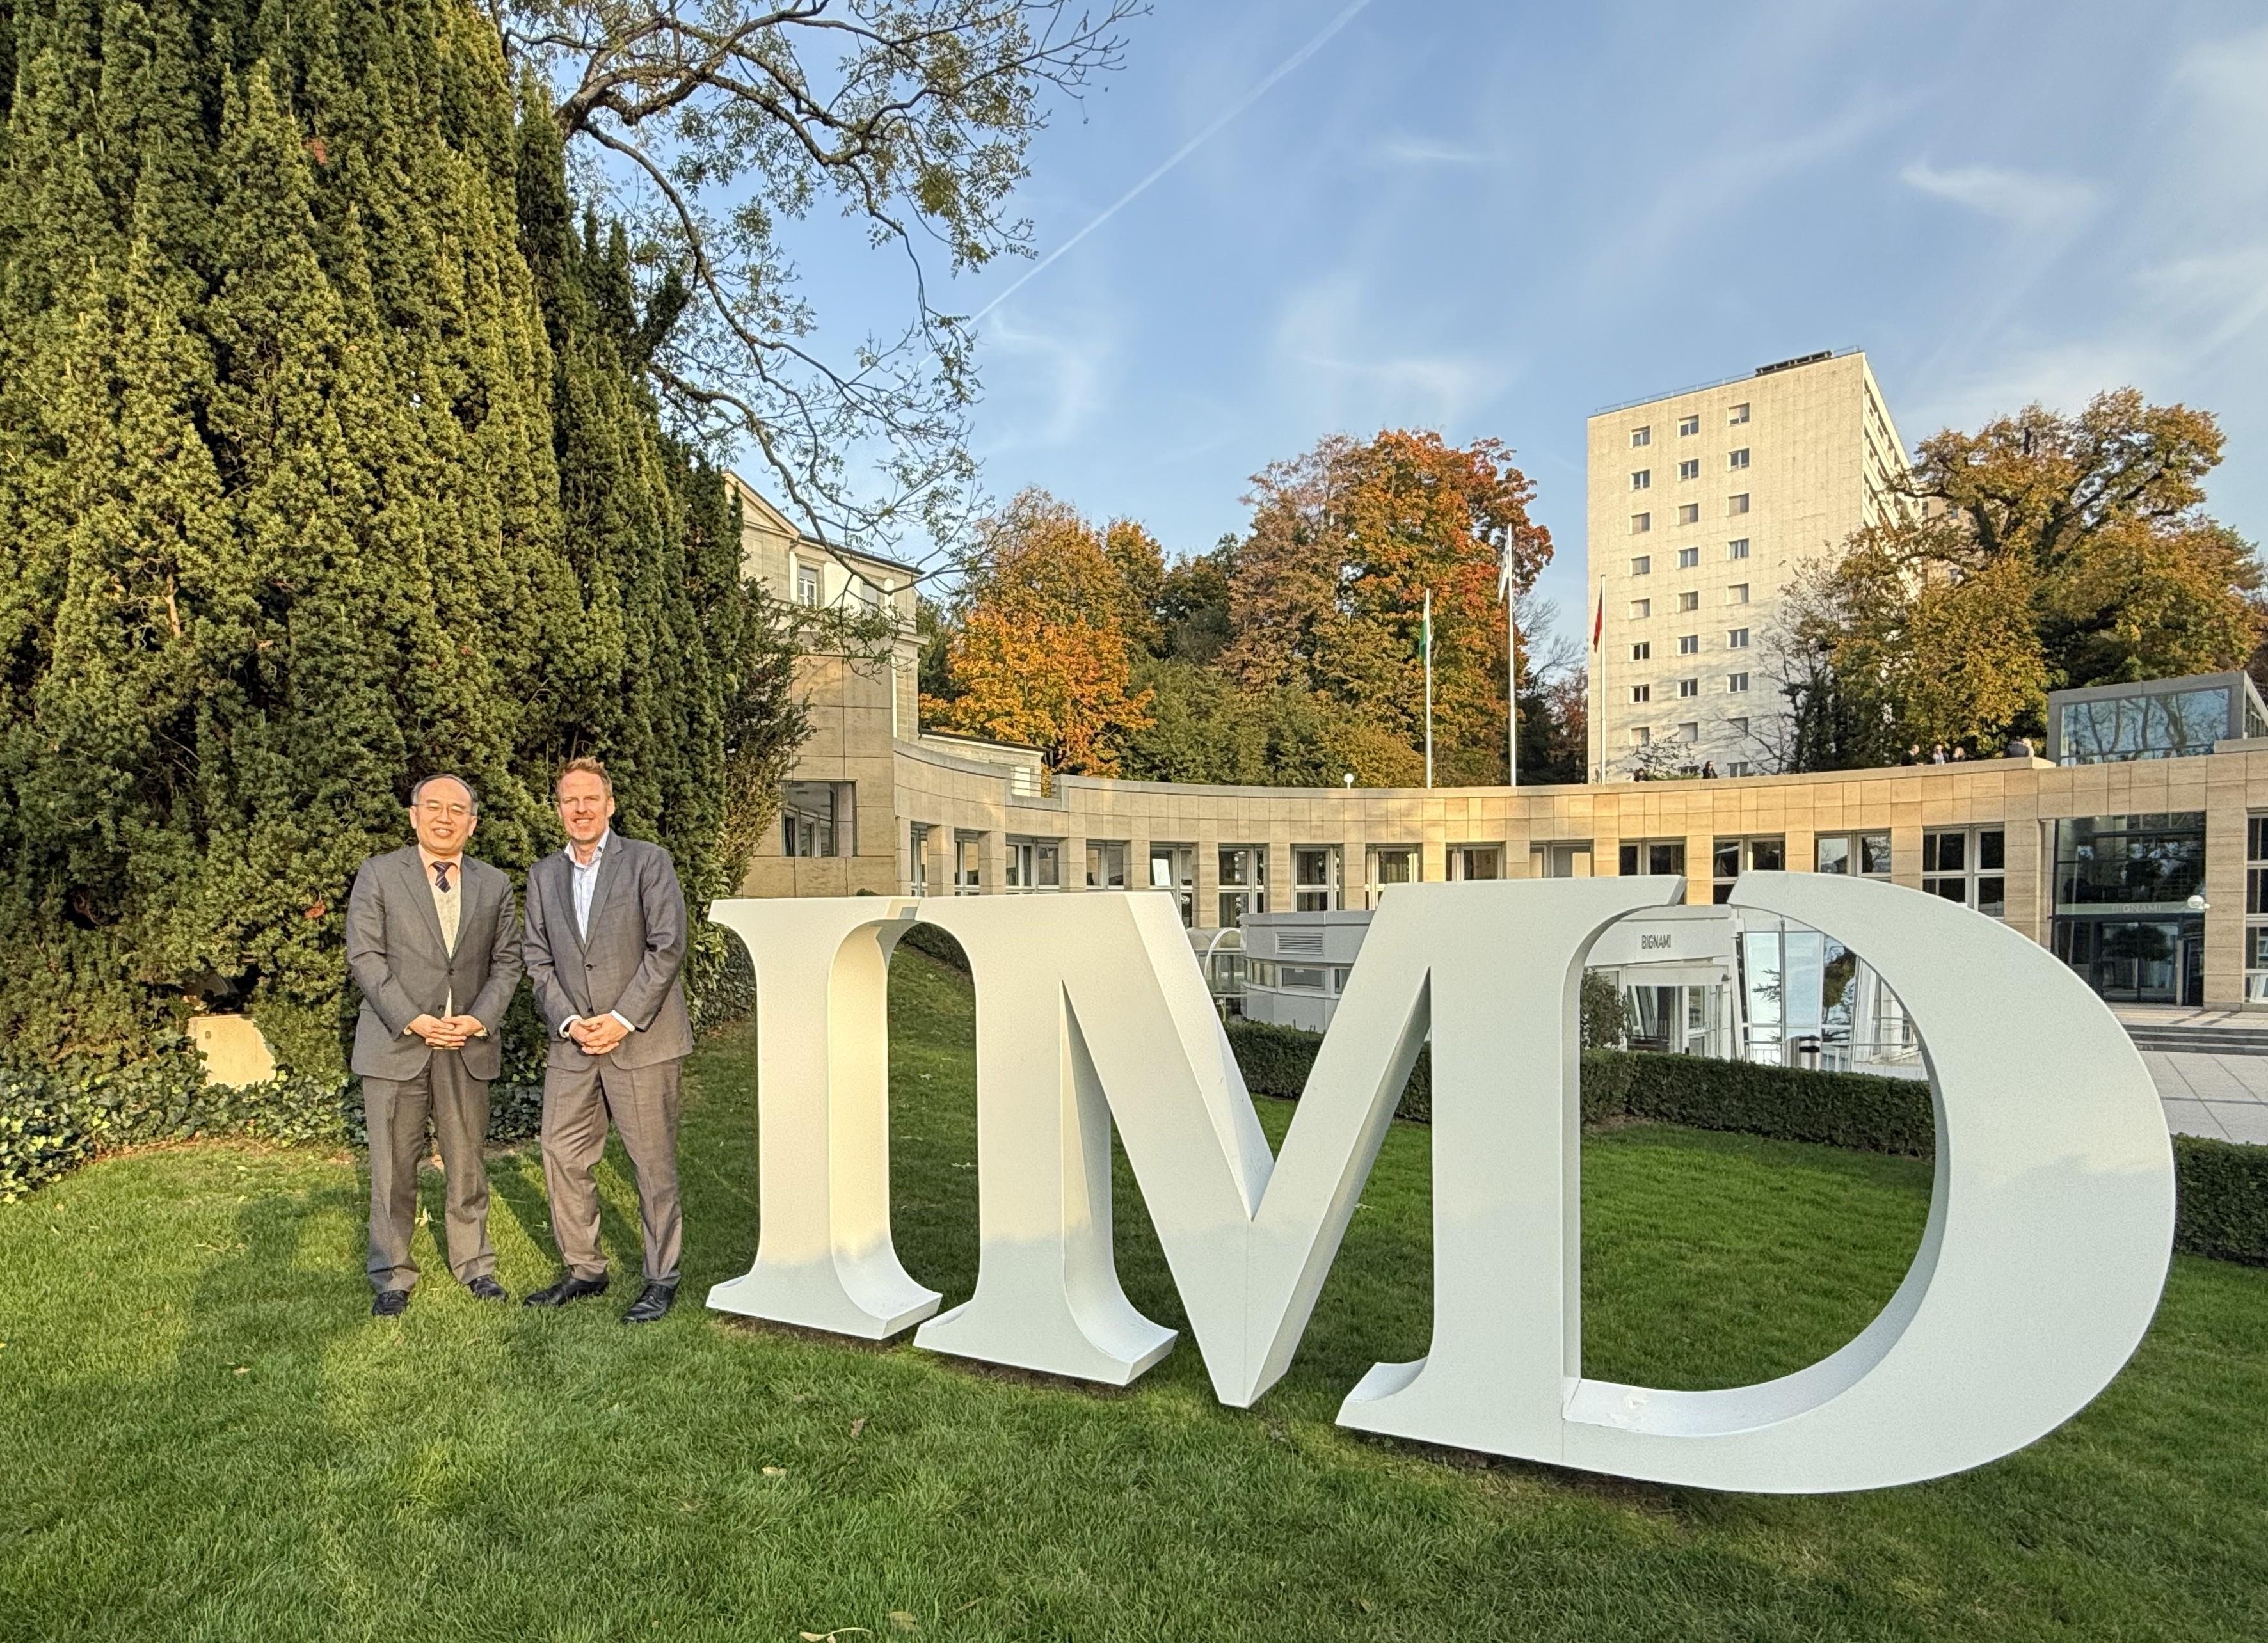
(2053,552)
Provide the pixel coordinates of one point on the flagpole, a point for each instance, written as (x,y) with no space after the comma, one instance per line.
(1429,687)
(1511,670)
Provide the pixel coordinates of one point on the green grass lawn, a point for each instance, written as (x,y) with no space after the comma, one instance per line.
(203,1434)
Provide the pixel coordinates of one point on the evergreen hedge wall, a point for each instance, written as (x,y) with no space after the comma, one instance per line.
(326,462)
(2223,1185)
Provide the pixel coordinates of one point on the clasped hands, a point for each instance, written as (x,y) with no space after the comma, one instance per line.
(598,1035)
(447,1032)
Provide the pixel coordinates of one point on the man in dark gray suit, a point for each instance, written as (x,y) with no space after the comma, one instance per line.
(604,947)
(433,943)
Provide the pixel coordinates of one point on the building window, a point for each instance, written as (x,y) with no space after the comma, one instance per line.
(1732,857)
(1106,865)
(1689,687)
(806,584)
(1737,549)
(1243,882)
(1034,864)
(1737,594)
(818,819)
(1315,878)
(1690,601)
(1476,862)
(1641,736)
(2256,910)
(1641,609)
(1689,730)
(1737,458)
(1651,858)
(1689,513)
(1865,853)
(1738,639)
(1391,864)
(1640,524)
(1739,414)
(1642,566)
(1689,425)
(1689,470)
(1737,504)
(1641,436)
(967,864)
(1689,644)
(1172,866)
(1736,682)
(2122,914)
(1738,727)
(1641,477)
(1740,767)
(917,859)
(1967,865)
(1641,693)
(1642,652)
(870,597)
(1688,557)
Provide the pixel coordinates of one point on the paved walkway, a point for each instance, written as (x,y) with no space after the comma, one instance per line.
(2224,1097)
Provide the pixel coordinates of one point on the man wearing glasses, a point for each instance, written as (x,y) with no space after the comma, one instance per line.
(433,943)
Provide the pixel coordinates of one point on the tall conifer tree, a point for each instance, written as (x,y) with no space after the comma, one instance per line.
(325,462)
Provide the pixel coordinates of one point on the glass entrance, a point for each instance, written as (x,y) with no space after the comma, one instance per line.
(2137,961)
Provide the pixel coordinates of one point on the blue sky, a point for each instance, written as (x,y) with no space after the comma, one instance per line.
(1493,218)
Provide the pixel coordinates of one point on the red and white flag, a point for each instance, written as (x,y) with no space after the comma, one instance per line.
(1599,622)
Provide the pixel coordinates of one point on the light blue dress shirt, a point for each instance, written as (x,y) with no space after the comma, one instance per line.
(586,885)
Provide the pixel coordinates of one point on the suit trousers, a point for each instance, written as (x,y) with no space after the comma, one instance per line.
(396,1111)
(642,1101)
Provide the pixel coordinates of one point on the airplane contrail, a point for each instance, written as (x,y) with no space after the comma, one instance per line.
(1178,155)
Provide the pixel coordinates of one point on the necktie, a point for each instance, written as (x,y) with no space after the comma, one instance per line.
(441,877)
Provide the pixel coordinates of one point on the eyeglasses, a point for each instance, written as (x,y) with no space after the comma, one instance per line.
(436,809)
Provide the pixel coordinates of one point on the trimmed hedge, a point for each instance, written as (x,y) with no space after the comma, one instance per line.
(2222,1210)
(1860,1111)
(2222,1186)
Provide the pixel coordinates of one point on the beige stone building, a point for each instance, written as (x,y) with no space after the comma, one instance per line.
(1703,505)
(2132,850)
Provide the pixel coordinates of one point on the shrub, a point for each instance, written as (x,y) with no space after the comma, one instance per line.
(2223,1204)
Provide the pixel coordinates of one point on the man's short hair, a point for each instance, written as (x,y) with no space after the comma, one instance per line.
(587,766)
(471,792)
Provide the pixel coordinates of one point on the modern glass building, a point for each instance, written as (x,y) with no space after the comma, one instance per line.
(2166,718)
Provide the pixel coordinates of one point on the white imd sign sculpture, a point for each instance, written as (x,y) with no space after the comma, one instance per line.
(2050,1227)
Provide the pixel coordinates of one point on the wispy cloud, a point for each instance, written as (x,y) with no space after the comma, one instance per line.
(1062,375)
(1401,148)
(2026,199)
(1182,153)
(1329,333)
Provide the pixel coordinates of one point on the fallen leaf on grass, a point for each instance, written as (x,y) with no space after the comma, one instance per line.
(241,1368)
(858,1426)
(904,1621)
(775,1471)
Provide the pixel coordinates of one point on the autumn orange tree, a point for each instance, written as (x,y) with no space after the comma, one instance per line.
(1328,591)
(2051,552)
(1037,648)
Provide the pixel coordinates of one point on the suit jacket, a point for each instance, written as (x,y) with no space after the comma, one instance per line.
(395,956)
(630,963)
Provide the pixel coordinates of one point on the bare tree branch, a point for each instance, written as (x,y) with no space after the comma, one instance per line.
(712,123)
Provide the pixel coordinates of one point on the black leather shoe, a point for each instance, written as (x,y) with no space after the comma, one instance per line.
(390,1303)
(486,1288)
(655,1300)
(568,1288)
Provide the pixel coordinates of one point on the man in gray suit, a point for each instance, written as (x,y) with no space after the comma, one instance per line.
(605,946)
(433,943)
